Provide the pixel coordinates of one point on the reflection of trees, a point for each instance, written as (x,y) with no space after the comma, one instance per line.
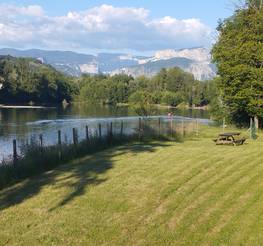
(13,121)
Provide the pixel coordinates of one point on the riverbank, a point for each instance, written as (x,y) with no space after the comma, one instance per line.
(118,105)
(180,106)
(159,193)
(23,107)
(19,107)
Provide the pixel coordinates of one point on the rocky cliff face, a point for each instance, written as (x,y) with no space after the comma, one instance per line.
(196,61)
(196,54)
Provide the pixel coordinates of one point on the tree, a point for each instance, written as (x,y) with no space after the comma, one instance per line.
(142,103)
(256,4)
(238,54)
(25,80)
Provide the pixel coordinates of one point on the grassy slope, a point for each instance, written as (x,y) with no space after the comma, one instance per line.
(191,193)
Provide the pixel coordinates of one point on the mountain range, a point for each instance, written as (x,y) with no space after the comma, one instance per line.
(195,60)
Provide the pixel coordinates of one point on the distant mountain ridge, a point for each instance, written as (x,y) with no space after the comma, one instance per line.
(196,61)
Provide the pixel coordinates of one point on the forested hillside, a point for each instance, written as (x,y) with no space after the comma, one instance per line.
(170,87)
(26,80)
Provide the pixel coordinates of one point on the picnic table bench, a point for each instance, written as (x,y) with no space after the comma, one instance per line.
(229,138)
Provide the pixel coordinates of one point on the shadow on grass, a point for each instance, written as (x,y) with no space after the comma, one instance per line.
(81,174)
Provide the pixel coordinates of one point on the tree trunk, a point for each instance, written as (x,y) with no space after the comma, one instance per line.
(256,121)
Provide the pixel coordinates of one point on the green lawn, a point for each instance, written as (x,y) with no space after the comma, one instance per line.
(191,193)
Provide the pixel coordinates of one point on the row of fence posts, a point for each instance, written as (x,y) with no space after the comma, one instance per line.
(171,130)
(99,134)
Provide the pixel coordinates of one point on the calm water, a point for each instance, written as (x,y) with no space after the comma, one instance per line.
(22,124)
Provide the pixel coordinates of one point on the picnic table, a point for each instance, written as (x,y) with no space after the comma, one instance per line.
(229,138)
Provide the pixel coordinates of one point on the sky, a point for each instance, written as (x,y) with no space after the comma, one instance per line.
(138,26)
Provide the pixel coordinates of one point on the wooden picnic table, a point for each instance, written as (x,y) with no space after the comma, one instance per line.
(229,138)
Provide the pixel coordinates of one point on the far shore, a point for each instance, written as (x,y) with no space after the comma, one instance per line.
(171,107)
(23,106)
(118,105)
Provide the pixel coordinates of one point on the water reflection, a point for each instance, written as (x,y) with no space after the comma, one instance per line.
(24,123)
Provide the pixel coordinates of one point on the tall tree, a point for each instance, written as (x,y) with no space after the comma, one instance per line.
(238,54)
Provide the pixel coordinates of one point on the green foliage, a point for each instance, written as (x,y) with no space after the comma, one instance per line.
(27,80)
(142,103)
(171,98)
(239,58)
(170,87)
(105,89)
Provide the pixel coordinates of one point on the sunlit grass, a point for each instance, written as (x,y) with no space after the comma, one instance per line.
(163,193)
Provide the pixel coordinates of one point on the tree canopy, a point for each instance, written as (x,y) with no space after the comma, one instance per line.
(238,55)
(169,87)
(26,80)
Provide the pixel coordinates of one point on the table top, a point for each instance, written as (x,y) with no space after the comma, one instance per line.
(228,134)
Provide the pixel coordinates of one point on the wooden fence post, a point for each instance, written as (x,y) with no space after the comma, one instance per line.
(140,126)
(41,141)
(159,127)
(183,133)
(99,131)
(111,131)
(15,153)
(75,136)
(121,128)
(87,134)
(197,128)
(171,126)
(59,145)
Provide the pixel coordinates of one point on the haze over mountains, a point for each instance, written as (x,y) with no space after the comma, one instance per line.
(196,61)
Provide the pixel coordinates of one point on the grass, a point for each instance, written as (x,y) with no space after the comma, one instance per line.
(162,193)
(36,158)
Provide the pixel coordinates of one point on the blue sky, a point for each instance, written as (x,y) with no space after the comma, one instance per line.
(81,25)
(209,11)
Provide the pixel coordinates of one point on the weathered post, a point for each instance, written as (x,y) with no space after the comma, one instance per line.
(99,131)
(41,141)
(183,133)
(111,129)
(159,127)
(59,145)
(197,128)
(140,126)
(15,154)
(75,136)
(171,126)
(121,128)
(87,134)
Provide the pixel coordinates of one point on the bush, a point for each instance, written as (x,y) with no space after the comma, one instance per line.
(142,103)
(171,98)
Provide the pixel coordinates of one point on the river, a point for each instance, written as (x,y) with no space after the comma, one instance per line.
(26,123)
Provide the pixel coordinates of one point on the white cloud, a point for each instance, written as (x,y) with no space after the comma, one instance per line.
(14,11)
(103,27)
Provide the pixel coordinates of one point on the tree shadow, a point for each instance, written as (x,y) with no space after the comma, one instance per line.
(81,174)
